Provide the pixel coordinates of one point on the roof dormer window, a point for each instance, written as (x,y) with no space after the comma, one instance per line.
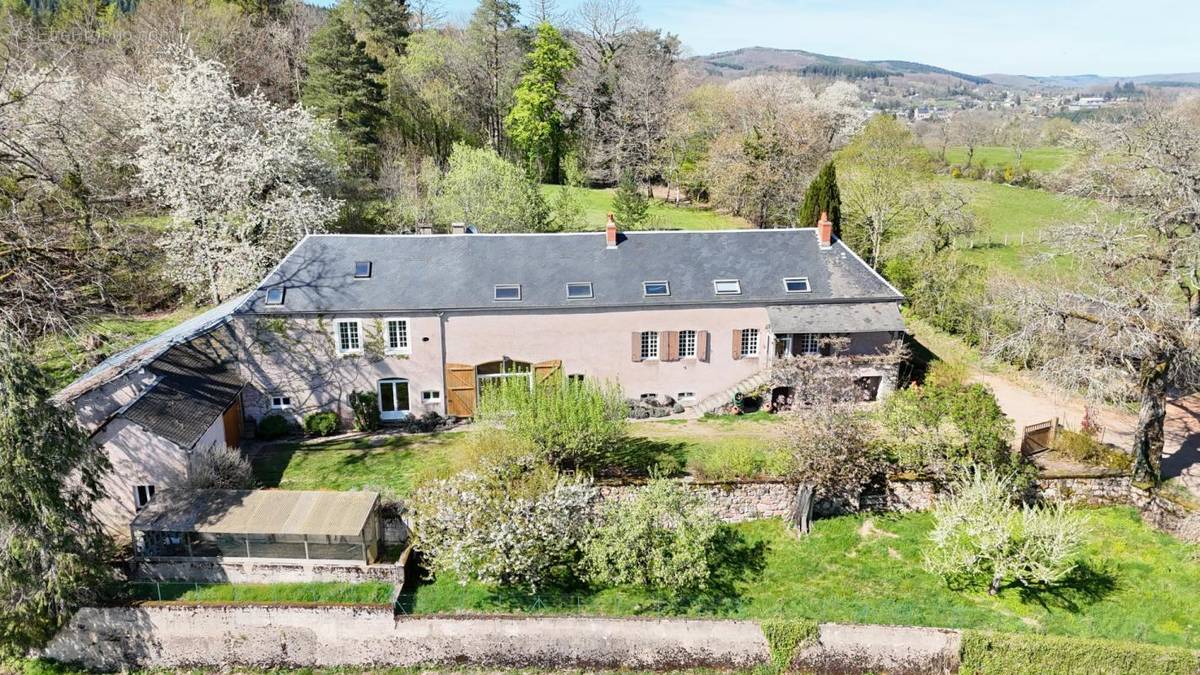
(655,288)
(275,295)
(362,269)
(727,287)
(507,292)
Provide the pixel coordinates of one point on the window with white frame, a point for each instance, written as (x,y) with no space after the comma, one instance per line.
(397,336)
(281,403)
(687,344)
(579,290)
(809,343)
(507,292)
(796,284)
(750,342)
(686,396)
(727,287)
(349,336)
(142,494)
(431,396)
(655,288)
(649,345)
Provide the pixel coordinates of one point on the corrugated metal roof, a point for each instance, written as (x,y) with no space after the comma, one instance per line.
(339,514)
(459,272)
(846,318)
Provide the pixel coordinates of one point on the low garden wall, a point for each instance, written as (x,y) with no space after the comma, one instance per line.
(230,570)
(208,637)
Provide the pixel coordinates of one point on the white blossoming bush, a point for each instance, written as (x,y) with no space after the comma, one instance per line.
(980,535)
(241,177)
(509,521)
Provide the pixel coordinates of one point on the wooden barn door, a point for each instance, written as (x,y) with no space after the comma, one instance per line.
(460,390)
(546,371)
(233,423)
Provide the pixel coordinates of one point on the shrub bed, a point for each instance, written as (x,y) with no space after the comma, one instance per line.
(985,652)
(273,426)
(321,423)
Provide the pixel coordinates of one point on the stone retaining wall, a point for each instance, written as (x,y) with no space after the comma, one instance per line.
(207,637)
(260,571)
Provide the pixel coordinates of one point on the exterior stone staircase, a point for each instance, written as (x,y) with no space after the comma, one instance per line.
(724,398)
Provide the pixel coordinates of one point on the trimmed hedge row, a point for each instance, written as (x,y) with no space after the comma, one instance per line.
(985,653)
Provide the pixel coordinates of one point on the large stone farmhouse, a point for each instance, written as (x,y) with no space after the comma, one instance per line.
(426,321)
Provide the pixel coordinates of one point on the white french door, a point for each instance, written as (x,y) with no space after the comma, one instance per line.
(393,399)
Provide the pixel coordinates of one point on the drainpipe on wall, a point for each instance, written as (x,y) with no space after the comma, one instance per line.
(442,338)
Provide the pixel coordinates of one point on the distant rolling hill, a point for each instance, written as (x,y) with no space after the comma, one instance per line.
(752,60)
(1092,81)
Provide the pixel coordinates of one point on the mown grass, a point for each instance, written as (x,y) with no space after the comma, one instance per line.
(597,204)
(1046,158)
(1137,584)
(63,357)
(329,592)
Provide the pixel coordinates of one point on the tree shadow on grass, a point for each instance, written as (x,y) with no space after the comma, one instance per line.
(636,456)
(1085,585)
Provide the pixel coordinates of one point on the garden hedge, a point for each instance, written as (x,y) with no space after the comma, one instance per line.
(985,653)
(786,638)
(321,423)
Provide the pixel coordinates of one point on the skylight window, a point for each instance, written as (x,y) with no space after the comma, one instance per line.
(275,295)
(796,285)
(727,287)
(362,269)
(654,288)
(579,290)
(507,292)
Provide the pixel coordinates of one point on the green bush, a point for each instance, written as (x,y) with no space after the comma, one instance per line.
(738,458)
(273,426)
(786,637)
(1087,450)
(365,406)
(321,423)
(985,653)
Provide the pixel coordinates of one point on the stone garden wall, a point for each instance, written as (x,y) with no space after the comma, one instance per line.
(252,571)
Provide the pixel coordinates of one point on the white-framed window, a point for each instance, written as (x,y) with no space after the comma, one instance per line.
(431,396)
(686,396)
(727,287)
(396,336)
(275,295)
(348,333)
(507,292)
(655,288)
(579,290)
(362,269)
(809,343)
(649,345)
(796,285)
(750,342)
(647,397)
(281,402)
(687,344)
(575,377)
(142,494)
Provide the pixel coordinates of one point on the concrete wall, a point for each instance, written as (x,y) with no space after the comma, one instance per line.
(321,637)
(138,457)
(261,571)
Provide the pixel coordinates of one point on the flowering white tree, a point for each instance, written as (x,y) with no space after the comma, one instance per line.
(242,177)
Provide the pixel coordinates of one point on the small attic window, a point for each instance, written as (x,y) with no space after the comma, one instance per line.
(507,292)
(579,290)
(727,287)
(796,285)
(362,269)
(275,295)
(653,288)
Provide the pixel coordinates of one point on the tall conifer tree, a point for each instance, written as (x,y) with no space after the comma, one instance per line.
(822,196)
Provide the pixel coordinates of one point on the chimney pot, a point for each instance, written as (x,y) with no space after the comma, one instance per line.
(825,231)
(458,228)
(424,229)
(610,232)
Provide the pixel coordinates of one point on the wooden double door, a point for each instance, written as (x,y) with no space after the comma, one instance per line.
(464,381)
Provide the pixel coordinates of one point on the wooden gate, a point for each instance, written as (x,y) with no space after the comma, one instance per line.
(546,371)
(1038,438)
(233,423)
(460,390)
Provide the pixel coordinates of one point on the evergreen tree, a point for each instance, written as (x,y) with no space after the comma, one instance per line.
(822,196)
(493,54)
(535,123)
(630,207)
(387,23)
(343,86)
(54,556)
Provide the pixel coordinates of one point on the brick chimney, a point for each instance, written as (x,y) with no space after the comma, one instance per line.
(458,228)
(825,231)
(610,232)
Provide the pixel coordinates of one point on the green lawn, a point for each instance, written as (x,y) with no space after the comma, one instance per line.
(1046,159)
(597,204)
(369,593)
(62,355)
(1138,584)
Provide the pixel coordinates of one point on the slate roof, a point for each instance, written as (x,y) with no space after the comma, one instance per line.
(198,381)
(143,353)
(459,272)
(865,317)
(293,512)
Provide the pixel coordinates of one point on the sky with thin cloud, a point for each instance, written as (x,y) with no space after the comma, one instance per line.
(1028,37)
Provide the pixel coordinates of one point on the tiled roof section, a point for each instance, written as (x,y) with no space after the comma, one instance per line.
(141,354)
(198,381)
(460,272)
(865,317)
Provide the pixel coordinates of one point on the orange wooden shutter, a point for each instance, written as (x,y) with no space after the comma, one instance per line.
(547,371)
(737,344)
(664,345)
(460,394)
(672,345)
(702,345)
(636,350)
